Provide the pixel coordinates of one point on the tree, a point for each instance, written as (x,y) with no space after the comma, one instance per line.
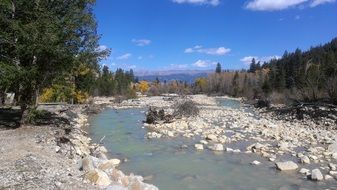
(143,86)
(252,67)
(218,68)
(44,40)
(235,84)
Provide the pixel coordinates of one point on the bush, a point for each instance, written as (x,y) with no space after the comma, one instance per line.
(36,117)
(186,108)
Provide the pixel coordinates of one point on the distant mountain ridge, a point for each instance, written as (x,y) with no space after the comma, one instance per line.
(188,76)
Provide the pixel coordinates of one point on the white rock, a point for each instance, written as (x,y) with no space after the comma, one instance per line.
(199,146)
(109,164)
(304,171)
(218,147)
(255,162)
(333,147)
(212,137)
(237,151)
(98,177)
(332,166)
(288,165)
(170,134)
(203,142)
(272,159)
(305,160)
(333,173)
(229,149)
(334,156)
(316,175)
(328,177)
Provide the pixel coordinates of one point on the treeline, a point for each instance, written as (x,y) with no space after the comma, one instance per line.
(112,84)
(303,76)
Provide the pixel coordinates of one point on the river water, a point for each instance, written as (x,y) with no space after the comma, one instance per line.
(164,163)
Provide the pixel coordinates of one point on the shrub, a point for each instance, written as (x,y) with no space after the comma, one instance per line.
(36,117)
(186,108)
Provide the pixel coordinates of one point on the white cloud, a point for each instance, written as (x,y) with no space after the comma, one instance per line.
(315,3)
(203,63)
(209,51)
(124,57)
(199,2)
(275,5)
(248,59)
(141,42)
(102,48)
(272,5)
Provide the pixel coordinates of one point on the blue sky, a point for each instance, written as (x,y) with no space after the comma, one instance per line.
(196,34)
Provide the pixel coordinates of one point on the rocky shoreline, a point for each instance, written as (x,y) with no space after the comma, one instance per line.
(304,146)
(61,156)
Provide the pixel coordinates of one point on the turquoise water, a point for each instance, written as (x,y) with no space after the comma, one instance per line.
(168,166)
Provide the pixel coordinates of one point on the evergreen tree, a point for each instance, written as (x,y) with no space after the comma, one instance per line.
(252,67)
(218,68)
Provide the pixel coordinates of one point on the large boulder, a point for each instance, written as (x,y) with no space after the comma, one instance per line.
(109,164)
(98,177)
(286,166)
(316,175)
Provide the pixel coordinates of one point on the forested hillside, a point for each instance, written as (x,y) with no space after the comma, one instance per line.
(302,75)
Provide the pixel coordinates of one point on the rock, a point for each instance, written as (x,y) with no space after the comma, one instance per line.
(98,177)
(136,184)
(109,164)
(328,177)
(229,150)
(333,173)
(283,146)
(316,175)
(304,171)
(285,166)
(199,146)
(236,151)
(57,149)
(333,148)
(332,166)
(204,142)
(305,160)
(334,156)
(170,134)
(218,147)
(102,149)
(87,164)
(255,162)
(212,137)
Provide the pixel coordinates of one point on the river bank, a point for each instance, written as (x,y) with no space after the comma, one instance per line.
(60,155)
(306,147)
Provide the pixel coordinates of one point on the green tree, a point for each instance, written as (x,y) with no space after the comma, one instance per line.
(45,40)
(218,68)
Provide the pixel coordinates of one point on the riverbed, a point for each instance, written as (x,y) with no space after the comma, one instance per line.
(173,163)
